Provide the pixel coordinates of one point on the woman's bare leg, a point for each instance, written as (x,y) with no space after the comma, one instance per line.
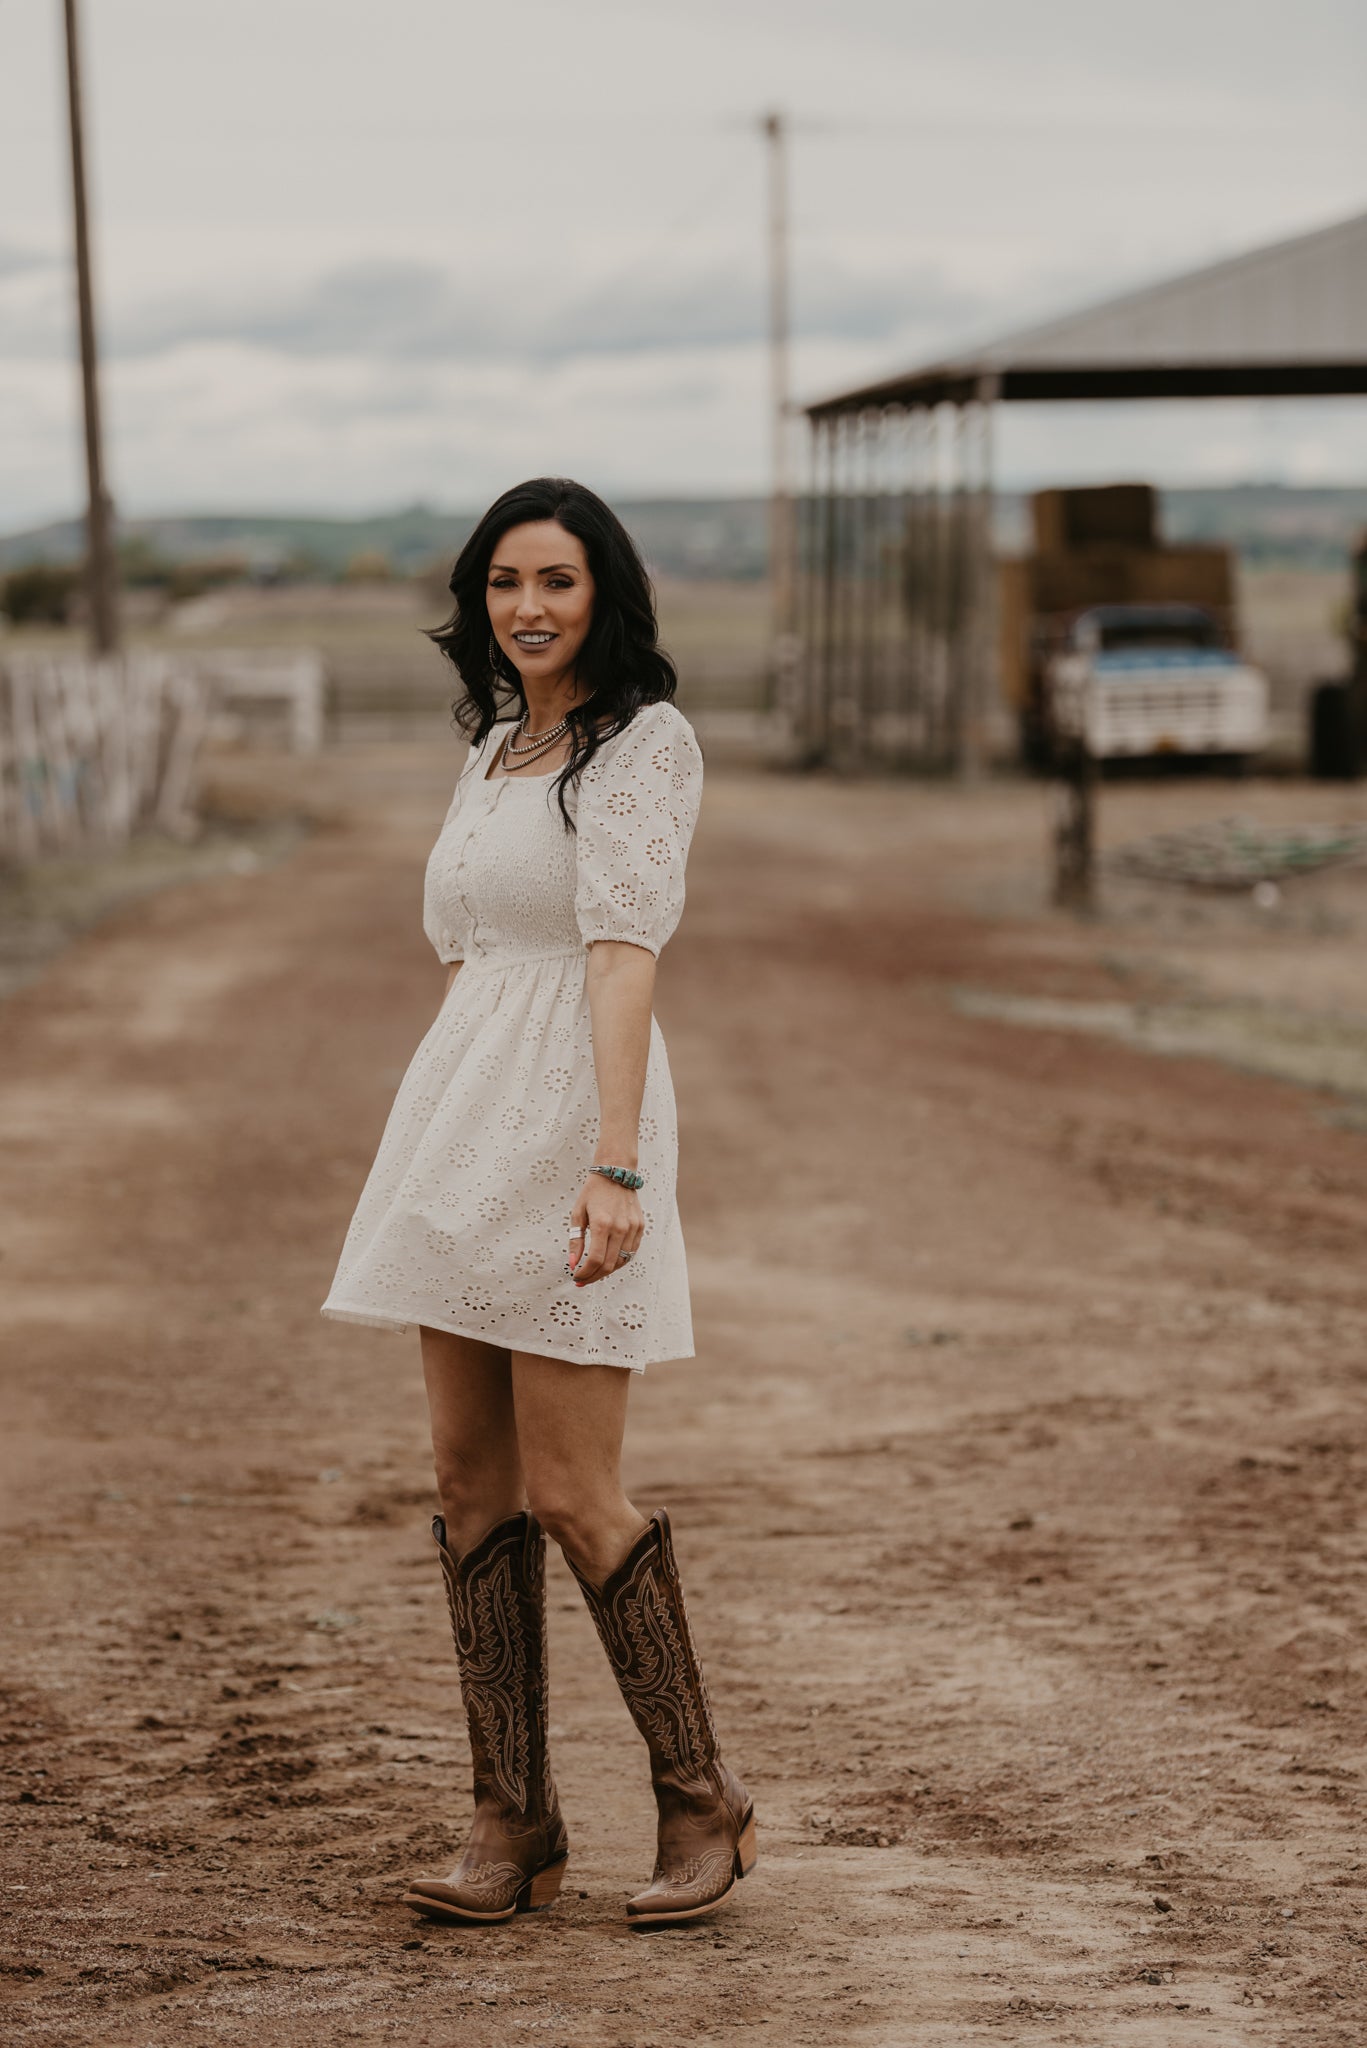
(570,1423)
(514,1854)
(474,1435)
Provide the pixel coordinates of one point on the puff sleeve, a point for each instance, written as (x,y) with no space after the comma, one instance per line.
(638,804)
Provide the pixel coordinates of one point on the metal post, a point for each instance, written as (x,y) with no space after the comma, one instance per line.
(976,581)
(988,687)
(829,572)
(808,592)
(101,568)
(942,586)
(1075,826)
(839,713)
(909,677)
(966,755)
(870,436)
(891,423)
(918,573)
(814,607)
(890,727)
(780,503)
(889,501)
(853,554)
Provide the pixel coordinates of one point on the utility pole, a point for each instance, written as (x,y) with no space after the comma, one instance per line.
(101,568)
(774,129)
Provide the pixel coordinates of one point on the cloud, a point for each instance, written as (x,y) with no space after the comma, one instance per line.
(19,262)
(403,311)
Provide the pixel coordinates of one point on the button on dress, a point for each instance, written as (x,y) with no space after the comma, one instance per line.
(464,1220)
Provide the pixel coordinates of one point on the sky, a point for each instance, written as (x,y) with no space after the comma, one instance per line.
(354,255)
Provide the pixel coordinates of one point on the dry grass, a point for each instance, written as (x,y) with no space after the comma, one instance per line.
(386,677)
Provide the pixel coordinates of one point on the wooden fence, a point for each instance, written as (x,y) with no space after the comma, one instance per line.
(292,680)
(93,751)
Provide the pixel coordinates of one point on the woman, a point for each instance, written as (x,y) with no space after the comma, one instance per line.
(521,1207)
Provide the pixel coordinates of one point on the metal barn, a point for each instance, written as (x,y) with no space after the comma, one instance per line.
(894,600)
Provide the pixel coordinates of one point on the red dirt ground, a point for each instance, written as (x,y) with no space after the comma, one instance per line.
(1016,1482)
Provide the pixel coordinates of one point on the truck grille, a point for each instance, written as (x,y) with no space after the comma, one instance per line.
(1149,707)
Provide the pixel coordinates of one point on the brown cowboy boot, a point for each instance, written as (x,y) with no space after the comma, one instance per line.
(515,1856)
(706,1837)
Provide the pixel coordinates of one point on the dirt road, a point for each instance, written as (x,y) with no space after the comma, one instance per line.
(1016,1481)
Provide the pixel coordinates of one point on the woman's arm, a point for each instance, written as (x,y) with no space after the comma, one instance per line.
(621,989)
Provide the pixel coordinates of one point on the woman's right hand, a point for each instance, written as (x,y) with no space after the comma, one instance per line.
(611,1222)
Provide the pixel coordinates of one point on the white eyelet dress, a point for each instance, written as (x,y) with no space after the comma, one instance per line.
(464,1221)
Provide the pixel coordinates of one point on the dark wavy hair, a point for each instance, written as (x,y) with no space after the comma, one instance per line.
(621,659)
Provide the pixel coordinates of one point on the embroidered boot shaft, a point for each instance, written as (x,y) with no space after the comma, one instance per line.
(706,1835)
(515,1856)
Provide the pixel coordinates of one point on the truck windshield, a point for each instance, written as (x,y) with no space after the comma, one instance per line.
(1153,626)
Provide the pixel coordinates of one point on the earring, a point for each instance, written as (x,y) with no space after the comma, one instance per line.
(496,660)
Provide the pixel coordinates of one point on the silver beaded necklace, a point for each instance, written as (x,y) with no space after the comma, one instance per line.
(537,742)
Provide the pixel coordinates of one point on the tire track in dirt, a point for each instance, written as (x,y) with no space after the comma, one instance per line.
(1015,1484)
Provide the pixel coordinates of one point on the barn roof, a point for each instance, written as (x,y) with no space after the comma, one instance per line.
(1284,321)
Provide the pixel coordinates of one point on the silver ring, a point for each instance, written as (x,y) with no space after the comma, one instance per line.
(622,1258)
(576,1233)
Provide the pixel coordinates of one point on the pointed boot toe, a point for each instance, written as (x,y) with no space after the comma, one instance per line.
(706,1834)
(486,1891)
(514,1860)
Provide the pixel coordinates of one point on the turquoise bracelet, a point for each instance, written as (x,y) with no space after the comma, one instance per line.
(625,1176)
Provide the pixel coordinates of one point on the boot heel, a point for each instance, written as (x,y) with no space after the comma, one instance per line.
(747,1847)
(544,1887)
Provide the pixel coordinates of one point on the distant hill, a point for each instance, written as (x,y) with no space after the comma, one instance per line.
(695,537)
(1272,522)
(724,537)
(1268,524)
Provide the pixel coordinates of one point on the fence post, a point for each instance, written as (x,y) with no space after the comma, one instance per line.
(1075,825)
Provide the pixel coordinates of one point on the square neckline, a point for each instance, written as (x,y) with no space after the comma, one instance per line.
(492,781)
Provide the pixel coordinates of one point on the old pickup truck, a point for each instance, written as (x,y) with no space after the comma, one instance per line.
(1131,680)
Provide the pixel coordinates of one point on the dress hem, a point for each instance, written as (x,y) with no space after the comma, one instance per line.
(398,1325)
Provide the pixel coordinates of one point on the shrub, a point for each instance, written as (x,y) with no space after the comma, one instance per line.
(371,565)
(41,594)
(142,565)
(205,572)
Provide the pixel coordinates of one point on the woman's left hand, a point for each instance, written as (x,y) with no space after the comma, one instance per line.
(611,1217)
